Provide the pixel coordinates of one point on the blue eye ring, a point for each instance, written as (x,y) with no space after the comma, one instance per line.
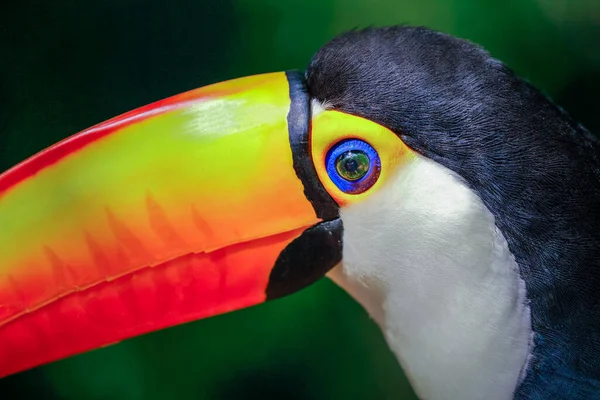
(353,149)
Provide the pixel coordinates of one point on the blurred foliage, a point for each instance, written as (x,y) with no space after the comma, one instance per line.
(66,65)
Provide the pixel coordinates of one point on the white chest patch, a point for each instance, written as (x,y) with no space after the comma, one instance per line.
(424,257)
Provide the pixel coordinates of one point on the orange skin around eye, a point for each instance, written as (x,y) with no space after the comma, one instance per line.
(331,127)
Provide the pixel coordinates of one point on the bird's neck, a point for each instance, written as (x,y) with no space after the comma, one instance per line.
(441,283)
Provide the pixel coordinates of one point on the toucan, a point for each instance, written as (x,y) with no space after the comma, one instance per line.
(450,197)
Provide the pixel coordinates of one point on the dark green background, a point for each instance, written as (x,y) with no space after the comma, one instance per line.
(66,65)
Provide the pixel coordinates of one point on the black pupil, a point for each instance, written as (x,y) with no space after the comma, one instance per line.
(351,165)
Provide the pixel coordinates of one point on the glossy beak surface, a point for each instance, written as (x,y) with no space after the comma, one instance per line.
(193,206)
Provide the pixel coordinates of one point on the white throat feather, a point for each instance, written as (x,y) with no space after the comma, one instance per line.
(424,257)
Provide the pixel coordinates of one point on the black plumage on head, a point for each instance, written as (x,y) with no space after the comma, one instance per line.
(535,168)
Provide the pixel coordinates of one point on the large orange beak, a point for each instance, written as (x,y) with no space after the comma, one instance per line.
(193,206)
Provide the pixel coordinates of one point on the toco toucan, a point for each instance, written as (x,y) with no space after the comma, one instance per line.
(451,198)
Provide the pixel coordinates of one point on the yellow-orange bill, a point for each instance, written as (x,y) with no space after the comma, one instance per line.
(173,212)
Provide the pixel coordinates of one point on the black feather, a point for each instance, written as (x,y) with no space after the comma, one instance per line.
(536,170)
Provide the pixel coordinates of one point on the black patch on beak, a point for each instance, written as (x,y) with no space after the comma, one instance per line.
(306,259)
(299,120)
(319,248)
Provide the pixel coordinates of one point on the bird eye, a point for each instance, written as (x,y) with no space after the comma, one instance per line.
(353,165)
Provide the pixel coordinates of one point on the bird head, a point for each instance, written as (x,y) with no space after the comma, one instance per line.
(423,175)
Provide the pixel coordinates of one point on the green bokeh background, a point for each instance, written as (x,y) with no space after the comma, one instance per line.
(66,65)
